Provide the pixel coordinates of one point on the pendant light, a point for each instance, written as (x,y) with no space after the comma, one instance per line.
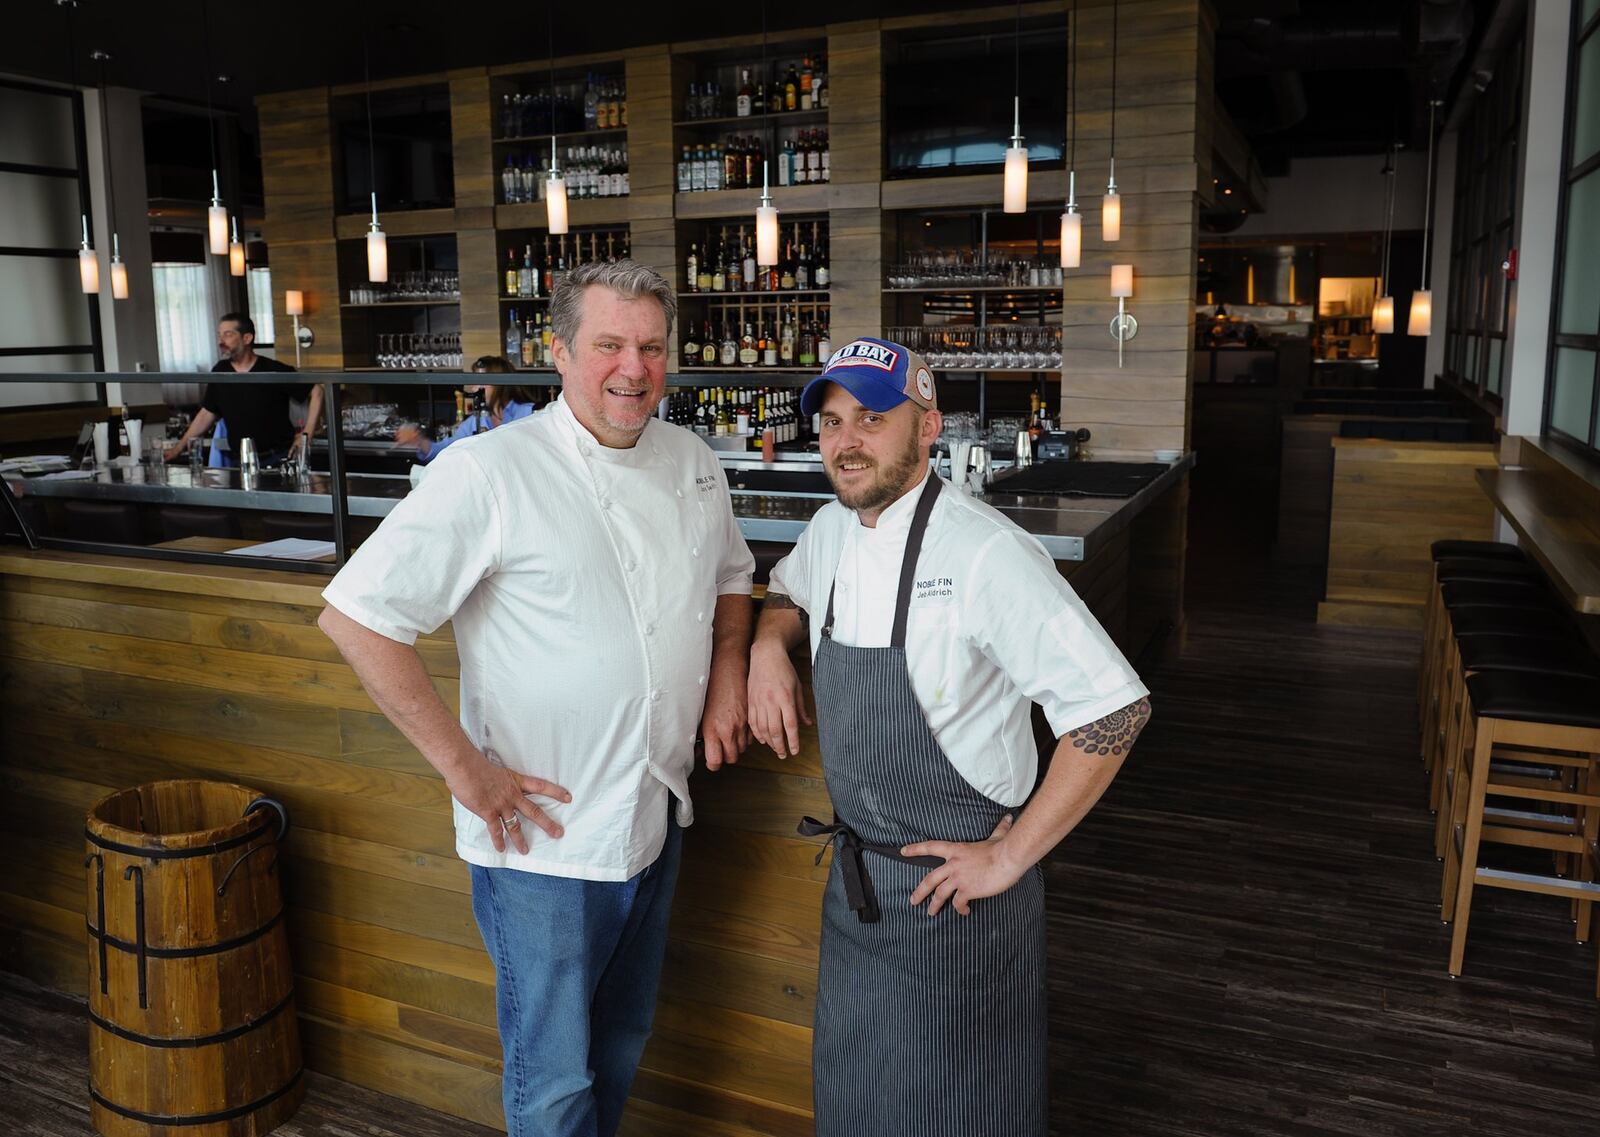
(1014,195)
(1111,203)
(216,213)
(1072,220)
(555,191)
(235,252)
(377,243)
(88,262)
(766,212)
(1383,307)
(119,271)
(1420,322)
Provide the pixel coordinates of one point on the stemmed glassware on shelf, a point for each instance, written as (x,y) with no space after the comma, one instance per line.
(960,268)
(419,351)
(1002,347)
(411,287)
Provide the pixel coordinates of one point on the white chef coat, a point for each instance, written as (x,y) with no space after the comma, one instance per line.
(992,628)
(582,582)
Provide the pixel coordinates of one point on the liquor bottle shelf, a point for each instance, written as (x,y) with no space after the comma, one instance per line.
(809,198)
(758,294)
(564,136)
(776,118)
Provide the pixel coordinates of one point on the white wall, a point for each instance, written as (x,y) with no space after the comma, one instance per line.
(1340,195)
(1538,201)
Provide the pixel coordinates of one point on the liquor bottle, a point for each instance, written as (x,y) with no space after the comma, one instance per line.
(769,347)
(786,345)
(685,169)
(791,90)
(802,270)
(749,355)
(723,422)
(527,355)
(708,347)
(691,272)
(591,104)
(820,89)
(461,407)
(728,353)
(691,102)
(749,265)
(786,267)
(703,280)
(702,414)
(561,263)
(746,95)
(713,167)
(808,345)
(549,269)
(527,277)
(509,181)
(786,163)
(691,346)
(753,155)
(513,337)
(825,174)
(719,274)
(512,276)
(763,96)
(824,344)
(807,79)
(821,277)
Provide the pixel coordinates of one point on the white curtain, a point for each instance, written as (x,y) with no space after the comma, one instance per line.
(186,317)
(260,281)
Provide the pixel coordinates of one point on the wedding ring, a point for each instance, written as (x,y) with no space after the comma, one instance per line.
(511,822)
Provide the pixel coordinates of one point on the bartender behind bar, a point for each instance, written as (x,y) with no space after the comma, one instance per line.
(257,411)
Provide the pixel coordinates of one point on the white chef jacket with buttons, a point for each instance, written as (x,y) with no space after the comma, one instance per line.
(582,582)
(992,628)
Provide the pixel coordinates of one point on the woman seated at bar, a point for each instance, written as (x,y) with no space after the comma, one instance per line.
(505,403)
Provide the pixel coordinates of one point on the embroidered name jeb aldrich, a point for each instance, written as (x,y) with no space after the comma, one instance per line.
(935,587)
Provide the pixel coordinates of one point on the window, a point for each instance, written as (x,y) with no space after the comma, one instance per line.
(1572,396)
(186,317)
(260,286)
(1485,218)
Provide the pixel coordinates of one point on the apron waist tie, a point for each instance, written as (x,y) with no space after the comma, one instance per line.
(858,890)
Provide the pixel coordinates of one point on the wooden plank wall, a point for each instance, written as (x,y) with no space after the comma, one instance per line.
(1163,146)
(110,677)
(1391,501)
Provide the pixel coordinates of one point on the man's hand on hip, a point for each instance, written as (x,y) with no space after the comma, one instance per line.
(499,797)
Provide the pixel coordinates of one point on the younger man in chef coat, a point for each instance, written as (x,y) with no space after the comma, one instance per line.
(935,624)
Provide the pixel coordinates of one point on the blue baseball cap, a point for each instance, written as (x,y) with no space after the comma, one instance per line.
(881,375)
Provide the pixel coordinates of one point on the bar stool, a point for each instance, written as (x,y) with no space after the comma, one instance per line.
(1524,717)
(1451,597)
(1504,563)
(1499,550)
(310,526)
(186,521)
(113,522)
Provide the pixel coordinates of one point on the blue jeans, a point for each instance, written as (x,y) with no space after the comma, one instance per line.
(576,966)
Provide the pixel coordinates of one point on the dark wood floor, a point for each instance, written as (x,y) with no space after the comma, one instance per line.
(1245,937)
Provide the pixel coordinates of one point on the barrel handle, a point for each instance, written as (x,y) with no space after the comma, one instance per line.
(136,874)
(100,910)
(271,803)
(241,858)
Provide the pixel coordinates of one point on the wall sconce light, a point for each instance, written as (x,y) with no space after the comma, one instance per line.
(1123,326)
(294,302)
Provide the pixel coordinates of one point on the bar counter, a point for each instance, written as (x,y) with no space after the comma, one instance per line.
(120,670)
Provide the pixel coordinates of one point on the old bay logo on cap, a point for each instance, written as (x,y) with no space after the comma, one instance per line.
(868,353)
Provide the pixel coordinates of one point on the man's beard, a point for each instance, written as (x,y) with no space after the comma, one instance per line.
(887,483)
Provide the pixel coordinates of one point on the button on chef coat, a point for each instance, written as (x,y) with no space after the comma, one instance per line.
(992,628)
(567,569)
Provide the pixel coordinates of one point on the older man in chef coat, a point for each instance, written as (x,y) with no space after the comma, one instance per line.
(934,626)
(600,593)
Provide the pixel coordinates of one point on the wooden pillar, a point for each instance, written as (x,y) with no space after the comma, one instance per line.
(855,217)
(652,168)
(297,184)
(1163,148)
(477,246)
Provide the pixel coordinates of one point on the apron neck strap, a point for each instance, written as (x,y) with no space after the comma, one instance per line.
(908,565)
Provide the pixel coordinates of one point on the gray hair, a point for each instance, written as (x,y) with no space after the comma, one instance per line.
(627,278)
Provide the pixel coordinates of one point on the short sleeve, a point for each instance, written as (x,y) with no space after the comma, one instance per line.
(792,576)
(423,562)
(1027,620)
(736,572)
(211,400)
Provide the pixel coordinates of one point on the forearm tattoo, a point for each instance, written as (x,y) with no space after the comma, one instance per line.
(1113,734)
(779,600)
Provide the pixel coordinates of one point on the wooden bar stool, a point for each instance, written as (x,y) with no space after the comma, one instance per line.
(1524,718)
(1452,597)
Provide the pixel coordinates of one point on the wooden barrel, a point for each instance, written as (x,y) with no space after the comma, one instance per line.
(191,993)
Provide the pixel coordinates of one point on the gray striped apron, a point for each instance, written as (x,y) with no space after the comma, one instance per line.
(924,1027)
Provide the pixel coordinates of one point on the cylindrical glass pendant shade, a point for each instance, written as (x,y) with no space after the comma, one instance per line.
(1015,196)
(1071,240)
(1420,322)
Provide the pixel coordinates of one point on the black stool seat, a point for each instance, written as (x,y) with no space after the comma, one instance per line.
(1485,568)
(308,526)
(1498,594)
(1561,700)
(1540,623)
(1498,550)
(113,522)
(179,521)
(1520,653)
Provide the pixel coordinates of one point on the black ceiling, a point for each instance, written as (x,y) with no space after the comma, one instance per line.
(1299,76)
